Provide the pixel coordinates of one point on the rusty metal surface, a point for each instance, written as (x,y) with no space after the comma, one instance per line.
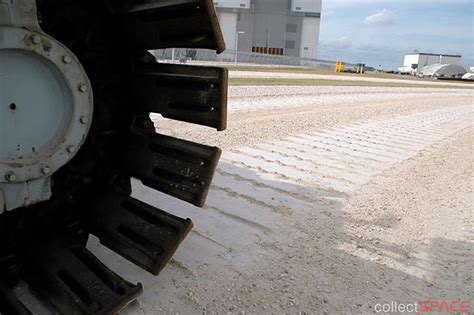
(143,234)
(44,87)
(176,167)
(9,303)
(91,194)
(154,24)
(187,93)
(74,281)
(19,13)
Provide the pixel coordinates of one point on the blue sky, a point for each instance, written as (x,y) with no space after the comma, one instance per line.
(380,32)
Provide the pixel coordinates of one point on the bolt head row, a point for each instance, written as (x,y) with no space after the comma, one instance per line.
(83,87)
(76,79)
(11,177)
(36,39)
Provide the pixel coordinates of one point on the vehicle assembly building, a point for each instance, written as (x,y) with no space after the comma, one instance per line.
(277,27)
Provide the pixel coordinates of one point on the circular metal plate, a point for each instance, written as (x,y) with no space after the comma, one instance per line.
(46,105)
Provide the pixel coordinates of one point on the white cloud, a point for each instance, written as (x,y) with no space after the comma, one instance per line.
(437,26)
(381,18)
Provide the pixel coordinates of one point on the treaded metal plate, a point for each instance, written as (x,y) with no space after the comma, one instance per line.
(155,24)
(9,304)
(73,280)
(187,93)
(143,234)
(176,167)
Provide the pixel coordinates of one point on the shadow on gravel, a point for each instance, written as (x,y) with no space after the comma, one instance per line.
(294,263)
(265,245)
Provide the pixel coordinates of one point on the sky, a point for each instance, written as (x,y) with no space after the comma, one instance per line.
(380,32)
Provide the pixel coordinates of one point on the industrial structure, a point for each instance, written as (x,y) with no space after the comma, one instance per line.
(442,71)
(276,27)
(416,61)
(75,129)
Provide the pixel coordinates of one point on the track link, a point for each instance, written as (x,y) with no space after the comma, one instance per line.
(44,245)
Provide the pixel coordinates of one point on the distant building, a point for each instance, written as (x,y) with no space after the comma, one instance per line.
(416,61)
(277,27)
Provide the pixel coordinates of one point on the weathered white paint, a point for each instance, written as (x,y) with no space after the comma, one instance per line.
(234,4)
(310,37)
(46,90)
(311,6)
(228,21)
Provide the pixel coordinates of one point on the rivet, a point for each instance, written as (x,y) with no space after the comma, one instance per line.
(36,39)
(11,177)
(84,120)
(71,149)
(46,170)
(67,59)
(83,88)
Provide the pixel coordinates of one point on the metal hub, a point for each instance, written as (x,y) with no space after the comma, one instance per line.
(33,113)
(46,109)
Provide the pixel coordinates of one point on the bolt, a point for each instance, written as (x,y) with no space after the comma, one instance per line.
(36,39)
(67,59)
(71,149)
(46,170)
(11,177)
(84,120)
(83,88)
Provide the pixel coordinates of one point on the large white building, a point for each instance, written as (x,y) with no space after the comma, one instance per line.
(277,27)
(416,61)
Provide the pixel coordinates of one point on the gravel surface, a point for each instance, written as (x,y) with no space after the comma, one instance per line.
(258,113)
(334,220)
(292,75)
(328,220)
(263,92)
(330,207)
(327,200)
